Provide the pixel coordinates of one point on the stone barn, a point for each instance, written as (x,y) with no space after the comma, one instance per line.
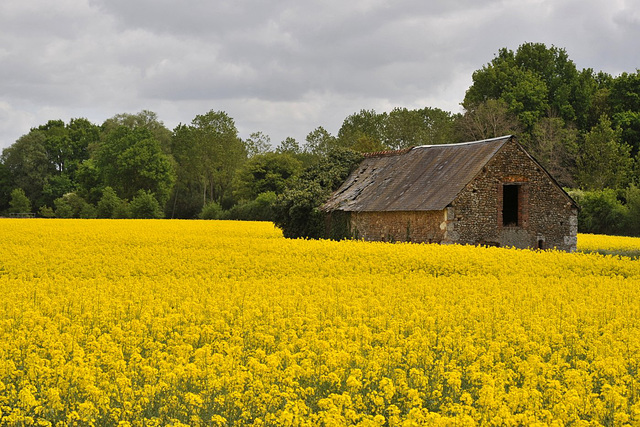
(489,192)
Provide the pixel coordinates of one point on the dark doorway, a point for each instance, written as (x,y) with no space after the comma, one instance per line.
(510,204)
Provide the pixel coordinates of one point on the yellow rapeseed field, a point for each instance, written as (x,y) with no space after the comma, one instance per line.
(609,244)
(134,322)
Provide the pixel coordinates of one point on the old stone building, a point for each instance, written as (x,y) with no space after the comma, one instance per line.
(489,192)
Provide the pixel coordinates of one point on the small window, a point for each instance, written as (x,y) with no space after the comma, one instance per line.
(540,244)
(510,204)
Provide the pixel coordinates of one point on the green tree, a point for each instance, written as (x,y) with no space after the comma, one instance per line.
(129,160)
(46,212)
(591,98)
(89,182)
(208,153)
(320,142)
(259,209)
(527,98)
(427,126)
(624,92)
(403,129)
(601,212)
(144,119)
(488,119)
(45,161)
(559,74)
(257,143)
(5,187)
(211,210)
(266,172)
(83,135)
(68,145)
(57,144)
(28,164)
(19,202)
(63,208)
(532,81)
(123,211)
(363,131)
(632,225)
(55,186)
(289,146)
(555,146)
(603,160)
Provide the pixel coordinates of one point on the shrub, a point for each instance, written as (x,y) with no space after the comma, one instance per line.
(211,210)
(71,205)
(19,202)
(108,203)
(88,211)
(260,209)
(122,211)
(601,212)
(145,206)
(46,212)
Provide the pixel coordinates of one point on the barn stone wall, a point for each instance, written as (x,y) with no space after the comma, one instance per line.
(425,226)
(546,217)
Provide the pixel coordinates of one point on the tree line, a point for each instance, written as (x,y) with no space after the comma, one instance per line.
(582,125)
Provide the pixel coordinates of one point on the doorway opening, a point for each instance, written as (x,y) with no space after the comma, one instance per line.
(510,205)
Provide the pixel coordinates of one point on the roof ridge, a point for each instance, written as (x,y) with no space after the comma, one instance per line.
(466,143)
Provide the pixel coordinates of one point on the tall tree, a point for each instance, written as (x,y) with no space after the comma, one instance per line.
(130,160)
(289,145)
(297,211)
(603,160)
(532,81)
(266,172)
(257,143)
(405,128)
(208,153)
(144,119)
(363,131)
(624,102)
(555,146)
(487,119)
(320,142)
(45,161)
(6,187)
(28,163)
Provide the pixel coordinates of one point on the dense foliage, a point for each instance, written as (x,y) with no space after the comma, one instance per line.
(148,323)
(297,210)
(583,127)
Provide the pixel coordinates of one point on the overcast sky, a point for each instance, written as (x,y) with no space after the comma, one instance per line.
(282,67)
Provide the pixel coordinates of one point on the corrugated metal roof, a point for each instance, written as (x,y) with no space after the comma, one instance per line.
(424,178)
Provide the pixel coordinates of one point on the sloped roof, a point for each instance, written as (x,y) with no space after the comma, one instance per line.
(423,178)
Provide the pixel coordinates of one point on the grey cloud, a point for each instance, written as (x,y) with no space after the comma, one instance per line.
(278,64)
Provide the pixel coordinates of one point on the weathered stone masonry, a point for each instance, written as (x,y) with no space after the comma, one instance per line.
(548,218)
(508,199)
